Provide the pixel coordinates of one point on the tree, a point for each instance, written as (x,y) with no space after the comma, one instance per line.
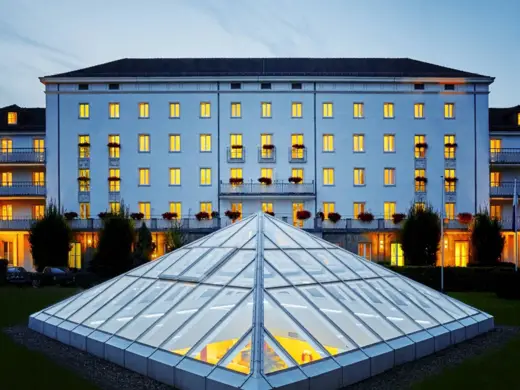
(50,239)
(175,237)
(420,236)
(144,246)
(487,240)
(114,252)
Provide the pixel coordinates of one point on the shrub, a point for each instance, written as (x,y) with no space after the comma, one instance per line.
(266,180)
(366,217)
(295,179)
(3,271)
(137,216)
(508,286)
(86,279)
(233,215)
(70,215)
(302,215)
(175,237)
(202,215)
(143,247)
(169,215)
(487,240)
(334,217)
(398,218)
(465,218)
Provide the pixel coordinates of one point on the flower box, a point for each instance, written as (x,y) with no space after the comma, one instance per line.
(334,217)
(202,215)
(266,180)
(302,215)
(169,215)
(422,145)
(271,213)
(320,215)
(113,145)
(421,179)
(84,144)
(237,147)
(137,216)
(398,218)
(451,145)
(114,178)
(465,218)
(70,215)
(295,180)
(83,178)
(236,180)
(298,146)
(268,147)
(215,214)
(451,179)
(365,217)
(105,214)
(233,215)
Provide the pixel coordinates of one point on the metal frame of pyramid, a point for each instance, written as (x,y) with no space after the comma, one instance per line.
(260,304)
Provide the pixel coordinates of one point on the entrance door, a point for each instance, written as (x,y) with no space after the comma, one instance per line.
(295,208)
(461,253)
(75,255)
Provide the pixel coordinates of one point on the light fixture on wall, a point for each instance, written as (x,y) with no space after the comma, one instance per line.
(381,244)
(89,242)
(446,243)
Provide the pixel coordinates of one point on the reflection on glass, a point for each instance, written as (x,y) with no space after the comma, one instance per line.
(140,271)
(206,264)
(231,267)
(240,358)
(184,262)
(302,238)
(54,309)
(166,262)
(355,264)
(243,235)
(311,266)
(273,278)
(285,266)
(277,236)
(222,235)
(334,265)
(246,277)
(251,244)
(275,359)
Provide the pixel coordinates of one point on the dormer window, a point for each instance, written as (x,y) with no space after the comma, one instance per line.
(12,118)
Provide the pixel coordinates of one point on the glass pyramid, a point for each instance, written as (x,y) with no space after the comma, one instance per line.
(257,305)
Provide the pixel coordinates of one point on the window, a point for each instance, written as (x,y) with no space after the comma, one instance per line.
(388,110)
(518,119)
(38,179)
(418,110)
(175,176)
(12,118)
(236,110)
(389,176)
(84,110)
(389,143)
(327,110)
(114,182)
(144,110)
(296,110)
(328,142)
(175,143)
(365,250)
(449,210)
(113,146)
(328,176)
(359,143)
(38,211)
(296,86)
(266,139)
(206,207)
(144,176)
(420,180)
(418,87)
(266,110)
(461,253)
(397,256)
(297,172)
(449,87)
(450,180)
(235,173)
(359,176)
(7,179)
(265,86)
(39,145)
(267,207)
(237,207)
(83,87)
(205,142)
(297,150)
(420,205)
(389,209)
(205,110)
(420,146)
(266,172)
(114,207)
(495,211)
(295,208)
(113,110)
(449,147)
(358,110)
(74,259)
(237,149)
(145,208)
(144,143)
(236,86)
(113,87)
(205,176)
(84,210)
(494,144)
(84,146)
(359,207)
(176,207)
(494,179)
(328,207)
(175,110)
(7,145)
(84,180)
(7,212)
(449,110)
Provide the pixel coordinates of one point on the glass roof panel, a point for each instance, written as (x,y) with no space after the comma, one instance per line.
(173,320)
(277,236)
(206,264)
(290,335)
(233,266)
(242,236)
(155,311)
(246,278)
(275,358)
(239,359)
(184,262)
(284,265)
(313,267)
(304,239)
(268,244)
(334,265)
(140,271)
(166,262)
(387,309)
(51,310)
(469,310)
(128,312)
(272,278)
(222,235)
(378,269)
(251,244)
(355,264)
(362,310)
(319,326)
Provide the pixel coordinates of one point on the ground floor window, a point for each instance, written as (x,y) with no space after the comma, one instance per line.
(461,253)
(365,250)
(397,256)
(75,255)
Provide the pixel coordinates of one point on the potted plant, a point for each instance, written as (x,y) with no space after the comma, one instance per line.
(422,145)
(366,217)
(83,178)
(70,215)
(451,144)
(298,146)
(268,147)
(398,218)
(137,216)
(295,179)
(84,144)
(465,218)
(113,145)
(114,178)
(266,180)
(302,215)
(233,215)
(202,215)
(169,215)
(421,179)
(451,179)
(320,215)
(334,217)
(236,180)
(271,213)
(237,147)
(215,214)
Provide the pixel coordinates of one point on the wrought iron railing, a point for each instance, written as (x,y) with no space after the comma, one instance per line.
(504,156)
(276,188)
(22,188)
(22,155)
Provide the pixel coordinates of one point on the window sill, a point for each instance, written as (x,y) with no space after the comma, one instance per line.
(449,118)
(174,151)
(360,185)
(205,151)
(144,152)
(358,117)
(83,118)
(358,151)
(204,117)
(174,185)
(389,152)
(143,117)
(174,117)
(143,185)
(113,117)
(328,151)
(389,185)
(329,185)
(389,117)
(419,117)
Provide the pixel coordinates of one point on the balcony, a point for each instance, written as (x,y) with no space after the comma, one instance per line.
(267,155)
(298,155)
(504,189)
(22,188)
(236,155)
(505,156)
(22,156)
(154,224)
(277,188)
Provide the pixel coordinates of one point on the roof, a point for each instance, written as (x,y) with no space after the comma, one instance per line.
(258,67)
(260,297)
(504,119)
(28,119)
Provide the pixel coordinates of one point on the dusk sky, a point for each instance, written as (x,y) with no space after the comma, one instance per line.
(39,38)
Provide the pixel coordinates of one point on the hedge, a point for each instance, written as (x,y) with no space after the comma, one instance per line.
(3,271)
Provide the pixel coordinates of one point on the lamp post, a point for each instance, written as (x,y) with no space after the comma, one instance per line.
(442,233)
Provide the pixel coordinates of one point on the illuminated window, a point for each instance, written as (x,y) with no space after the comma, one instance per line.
(418,110)
(266,139)
(175,110)
(359,111)
(420,146)
(144,143)
(175,176)
(205,110)
(114,185)
(389,208)
(38,211)
(236,110)
(175,143)
(7,179)
(328,142)
(297,151)
(297,207)
(494,179)
(389,176)
(84,110)
(144,176)
(494,144)
(359,207)
(297,172)
(419,205)
(176,207)
(296,110)
(328,207)
(39,145)
(114,207)
(518,119)
(420,180)
(389,143)
(206,207)
(267,207)
(84,210)
(74,259)
(365,250)
(84,180)
(449,146)
(205,142)
(328,176)
(7,212)
(388,110)
(237,151)
(144,110)
(266,110)
(114,146)
(235,173)
(145,208)
(449,210)
(358,143)
(495,211)
(84,146)
(397,256)
(449,110)
(237,207)
(7,145)
(327,110)
(266,172)
(12,118)
(113,110)
(38,179)
(359,176)
(449,180)
(205,176)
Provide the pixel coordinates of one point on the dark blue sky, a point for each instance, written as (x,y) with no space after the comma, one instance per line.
(45,37)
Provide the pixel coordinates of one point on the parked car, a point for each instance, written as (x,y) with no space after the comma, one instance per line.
(52,276)
(18,276)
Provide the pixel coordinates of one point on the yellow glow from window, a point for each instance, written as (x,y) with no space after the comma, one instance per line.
(420,151)
(7,145)
(84,186)
(461,253)
(7,212)
(359,110)
(266,110)
(236,110)
(420,206)
(297,139)
(266,172)
(267,207)
(494,179)
(176,207)
(266,139)
(328,176)
(113,152)
(12,118)
(518,119)
(328,207)
(389,176)
(328,142)
(145,208)
(495,145)
(327,110)
(359,207)
(449,110)
(237,207)
(84,210)
(420,186)
(389,143)
(144,176)
(359,176)
(84,151)
(205,142)
(449,210)
(297,172)
(84,110)
(175,110)
(359,142)
(296,110)
(114,207)
(175,176)
(114,186)
(449,186)
(365,250)
(418,110)
(38,179)
(74,260)
(38,211)
(397,255)
(449,151)
(388,110)
(389,210)
(144,143)
(144,110)
(495,211)
(236,140)
(235,173)
(297,207)
(113,110)
(7,179)
(205,176)
(205,109)
(175,143)
(39,145)
(206,206)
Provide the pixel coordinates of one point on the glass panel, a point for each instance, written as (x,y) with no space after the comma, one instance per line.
(246,277)
(386,308)
(287,267)
(199,242)
(268,244)
(311,265)
(378,269)
(352,262)
(128,312)
(289,335)
(166,263)
(361,310)
(273,278)
(243,235)
(319,326)
(277,236)
(222,235)
(51,310)
(223,337)
(102,299)
(275,358)
(172,321)
(205,265)
(184,262)
(140,271)
(157,310)
(240,358)
(469,310)
(231,267)
(334,265)
(251,244)
(117,303)
(304,239)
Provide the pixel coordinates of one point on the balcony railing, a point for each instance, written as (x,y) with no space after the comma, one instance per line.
(504,156)
(236,155)
(23,188)
(266,155)
(297,155)
(505,188)
(276,188)
(22,156)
